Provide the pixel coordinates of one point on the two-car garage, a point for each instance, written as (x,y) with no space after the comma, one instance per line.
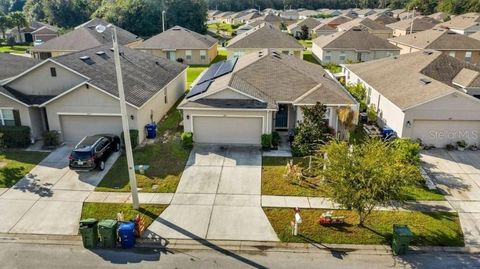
(227,129)
(75,127)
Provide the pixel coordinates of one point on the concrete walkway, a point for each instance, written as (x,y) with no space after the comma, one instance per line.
(218,197)
(457,174)
(49,199)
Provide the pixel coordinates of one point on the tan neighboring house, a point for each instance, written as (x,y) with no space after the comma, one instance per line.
(76,94)
(419,96)
(296,28)
(414,25)
(34,31)
(464,24)
(264,36)
(365,13)
(323,29)
(181,44)
(336,21)
(367,24)
(456,45)
(439,16)
(83,37)
(355,45)
(382,18)
(259,93)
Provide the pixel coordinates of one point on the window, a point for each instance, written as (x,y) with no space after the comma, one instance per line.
(53,71)
(6,117)
(328,57)
(389,54)
(342,56)
(188,54)
(468,56)
(452,53)
(203,55)
(165,95)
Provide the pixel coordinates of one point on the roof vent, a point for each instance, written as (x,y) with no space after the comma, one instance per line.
(100,53)
(425,81)
(176,29)
(277,56)
(428,52)
(84,58)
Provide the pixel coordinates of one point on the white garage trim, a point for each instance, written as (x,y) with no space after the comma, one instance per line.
(228,116)
(89,114)
(229,109)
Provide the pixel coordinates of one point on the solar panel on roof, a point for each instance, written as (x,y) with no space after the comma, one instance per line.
(226,67)
(210,73)
(199,89)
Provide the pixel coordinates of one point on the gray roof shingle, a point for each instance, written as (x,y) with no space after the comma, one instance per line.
(12,65)
(178,37)
(354,39)
(262,37)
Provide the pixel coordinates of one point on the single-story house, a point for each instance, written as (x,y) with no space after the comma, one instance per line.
(12,65)
(34,31)
(417,95)
(372,27)
(336,21)
(290,15)
(464,24)
(296,28)
(81,38)
(439,16)
(365,12)
(456,45)
(181,44)
(264,36)
(77,95)
(382,18)
(249,26)
(355,45)
(257,94)
(323,29)
(412,25)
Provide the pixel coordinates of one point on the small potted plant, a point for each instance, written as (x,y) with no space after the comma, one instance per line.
(275,140)
(450,147)
(461,145)
(473,147)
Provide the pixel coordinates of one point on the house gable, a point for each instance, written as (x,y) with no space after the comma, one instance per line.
(227,94)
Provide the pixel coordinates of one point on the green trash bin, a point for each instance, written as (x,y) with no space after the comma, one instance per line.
(402,236)
(89,232)
(108,233)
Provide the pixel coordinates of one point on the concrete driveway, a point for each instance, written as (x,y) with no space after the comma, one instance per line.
(457,174)
(49,199)
(218,197)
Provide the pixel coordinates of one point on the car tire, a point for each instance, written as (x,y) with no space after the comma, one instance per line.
(117,147)
(101,165)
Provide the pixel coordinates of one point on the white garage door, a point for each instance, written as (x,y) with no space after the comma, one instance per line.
(441,133)
(227,130)
(74,128)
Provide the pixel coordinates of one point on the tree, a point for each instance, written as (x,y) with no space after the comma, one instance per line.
(34,10)
(191,14)
(364,176)
(312,132)
(18,20)
(5,23)
(60,12)
(16,5)
(426,7)
(305,34)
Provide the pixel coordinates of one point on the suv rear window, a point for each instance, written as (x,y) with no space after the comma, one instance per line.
(81,155)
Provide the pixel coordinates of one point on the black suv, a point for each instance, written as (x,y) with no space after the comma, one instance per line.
(93,151)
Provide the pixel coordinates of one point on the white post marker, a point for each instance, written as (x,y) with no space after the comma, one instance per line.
(123,111)
(298,220)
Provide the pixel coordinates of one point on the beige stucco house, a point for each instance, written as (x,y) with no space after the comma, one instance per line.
(412,25)
(76,94)
(264,36)
(296,28)
(464,24)
(181,44)
(369,25)
(257,94)
(81,38)
(354,45)
(423,95)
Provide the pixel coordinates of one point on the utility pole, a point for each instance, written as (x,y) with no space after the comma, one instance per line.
(413,19)
(163,21)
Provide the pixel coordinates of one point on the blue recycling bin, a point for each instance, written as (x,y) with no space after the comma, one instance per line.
(151,130)
(126,232)
(387,132)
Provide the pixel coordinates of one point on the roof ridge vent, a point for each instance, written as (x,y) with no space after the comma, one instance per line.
(425,81)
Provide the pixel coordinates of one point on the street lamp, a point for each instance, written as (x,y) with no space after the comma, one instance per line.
(123,110)
(163,21)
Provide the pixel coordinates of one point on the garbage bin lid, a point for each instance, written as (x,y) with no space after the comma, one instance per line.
(402,230)
(108,223)
(126,226)
(88,221)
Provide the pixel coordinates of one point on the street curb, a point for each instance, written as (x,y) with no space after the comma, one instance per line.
(238,246)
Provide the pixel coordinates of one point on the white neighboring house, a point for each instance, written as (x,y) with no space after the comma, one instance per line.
(424,95)
(257,94)
(464,24)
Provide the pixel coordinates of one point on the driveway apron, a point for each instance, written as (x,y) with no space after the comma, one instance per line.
(218,197)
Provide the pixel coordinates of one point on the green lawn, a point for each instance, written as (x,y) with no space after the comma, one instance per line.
(223,27)
(19,49)
(167,159)
(15,164)
(193,72)
(308,56)
(430,229)
(274,183)
(102,211)
(306,43)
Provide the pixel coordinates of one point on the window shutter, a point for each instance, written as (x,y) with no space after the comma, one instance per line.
(16,117)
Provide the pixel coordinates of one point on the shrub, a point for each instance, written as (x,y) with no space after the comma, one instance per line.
(275,139)
(51,139)
(408,149)
(266,141)
(372,113)
(16,136)
(133,138)
(187,140)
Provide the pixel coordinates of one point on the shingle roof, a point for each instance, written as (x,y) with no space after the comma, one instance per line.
(382,18)
(143,74)
(178,37)
(398,78)
(309,22)
(419,24)
(463,21)
(438,39)
(439,16)
(475,35)
(364,23)
(12,65)
(354,38)
(336,20)
(84,37)
(264,36)
(466,77)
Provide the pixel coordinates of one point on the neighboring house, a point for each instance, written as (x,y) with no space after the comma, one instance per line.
(178,43)
(464,24)
(416,95)
(365,12)
(257,94)
(457,45)
(222,17)
(350,13)
(12,65)
(290,15)
(412,25)
(77,94)
(296,28)
(367,24)
(354,45)
(83,37)
(475,36)
(397,13)
(323,29)
(248,17)
(247,27)
(274,20)
(382,18)
(211,14)
(264,36)
(439,16)
(33,32)
(307,13)
(336,21)
(383,11)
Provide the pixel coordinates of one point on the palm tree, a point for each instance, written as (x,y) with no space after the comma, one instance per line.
(4,24)
(18,19)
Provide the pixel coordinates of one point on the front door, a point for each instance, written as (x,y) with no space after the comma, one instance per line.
(281,119)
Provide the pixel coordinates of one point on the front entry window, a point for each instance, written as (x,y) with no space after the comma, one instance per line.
(281,119)
(171,55)
(6,117)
